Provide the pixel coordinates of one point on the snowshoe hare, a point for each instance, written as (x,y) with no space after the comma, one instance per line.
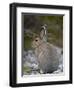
(46,54)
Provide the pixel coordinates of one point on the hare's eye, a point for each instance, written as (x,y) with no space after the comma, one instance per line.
(36,40)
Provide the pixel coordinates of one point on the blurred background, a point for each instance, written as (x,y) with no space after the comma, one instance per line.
(32,26)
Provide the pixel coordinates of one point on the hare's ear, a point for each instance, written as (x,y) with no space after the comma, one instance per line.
(42,34)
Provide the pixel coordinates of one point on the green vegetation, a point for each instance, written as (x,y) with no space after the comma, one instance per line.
(26,69)
(27,42)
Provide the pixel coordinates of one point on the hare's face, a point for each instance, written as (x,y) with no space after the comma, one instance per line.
(36,42)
